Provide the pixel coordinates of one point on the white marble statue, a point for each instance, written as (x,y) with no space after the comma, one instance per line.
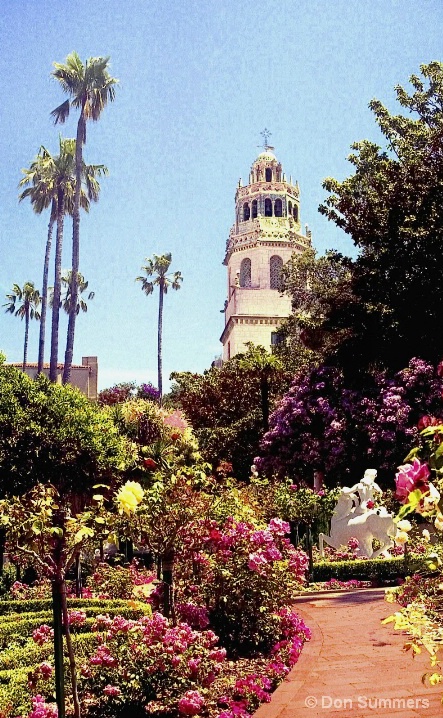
(355,516)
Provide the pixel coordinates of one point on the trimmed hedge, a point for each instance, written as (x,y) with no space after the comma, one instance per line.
(18,627)
(14,691)
(17,621)
(382,569)
(45,604)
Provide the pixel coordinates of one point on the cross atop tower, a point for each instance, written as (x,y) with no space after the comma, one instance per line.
(266,135)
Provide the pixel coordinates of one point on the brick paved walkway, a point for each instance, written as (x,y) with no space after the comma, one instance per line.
(353,667)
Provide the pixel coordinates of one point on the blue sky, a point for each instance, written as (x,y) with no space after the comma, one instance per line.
(199,81)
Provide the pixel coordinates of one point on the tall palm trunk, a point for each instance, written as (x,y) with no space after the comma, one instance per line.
(41,341)
(80,139)
(25,348)
(57,286)
(159,340)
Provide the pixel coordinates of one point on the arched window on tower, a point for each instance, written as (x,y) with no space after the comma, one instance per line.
(290,209)
(245,272)
(268,207)
(246,211)
(275,267)
(295,212)
(278,210)
(254,209)
(268,174)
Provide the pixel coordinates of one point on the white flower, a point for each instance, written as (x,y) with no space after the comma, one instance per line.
(438,523)
(426,535)
(404,525)
(430,501)
(401,537)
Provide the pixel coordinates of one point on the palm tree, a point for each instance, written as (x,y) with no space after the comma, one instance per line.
(27,310)
(89,86)
(40,190)
(54,177)
(264,366)
(65,298)
(159,266)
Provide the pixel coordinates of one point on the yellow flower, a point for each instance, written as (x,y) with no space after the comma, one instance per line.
(401,537)
(439,522)
(129,497)
(435,679)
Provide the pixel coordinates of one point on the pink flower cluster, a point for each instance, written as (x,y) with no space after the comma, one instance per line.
(76,618)
(155,653)
(411,477)
(195,616)
(191,703)
(103,657)
(43,634)
(41,709)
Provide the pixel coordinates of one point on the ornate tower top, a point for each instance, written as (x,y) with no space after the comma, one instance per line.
(265,234)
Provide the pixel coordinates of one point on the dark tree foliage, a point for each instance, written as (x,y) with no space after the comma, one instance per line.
(392,207)
(53,434)
(225,407)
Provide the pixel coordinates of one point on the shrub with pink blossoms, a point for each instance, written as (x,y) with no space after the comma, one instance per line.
(250,574)
(148,666)
(191,703)
(41,709)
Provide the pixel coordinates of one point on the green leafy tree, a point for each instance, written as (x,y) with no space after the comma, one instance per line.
(158,268)
(225,408)
(24,302)
(316,286)
(54,434)
(260,363)
(90,87)
(392,207)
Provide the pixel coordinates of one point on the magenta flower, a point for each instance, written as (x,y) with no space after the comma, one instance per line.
(410,477)
(191,703)
(279,527)
(112,691)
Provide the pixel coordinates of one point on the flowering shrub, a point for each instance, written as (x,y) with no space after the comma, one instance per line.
(39,589)
(41,709)
(322,425)
(333,584)
(148,665)
(148,391)
(243,575)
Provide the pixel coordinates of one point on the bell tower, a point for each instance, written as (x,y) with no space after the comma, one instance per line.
(265,234)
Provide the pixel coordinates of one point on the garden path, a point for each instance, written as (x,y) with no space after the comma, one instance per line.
(353,667)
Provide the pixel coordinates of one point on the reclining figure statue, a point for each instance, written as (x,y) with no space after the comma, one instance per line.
(355,516)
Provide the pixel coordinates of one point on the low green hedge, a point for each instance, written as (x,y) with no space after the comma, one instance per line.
(20,655)
(45,604)
(382,569)
(17,627)
(14,691)
(33,654)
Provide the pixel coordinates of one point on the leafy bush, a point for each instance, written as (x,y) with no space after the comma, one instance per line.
(54,434)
